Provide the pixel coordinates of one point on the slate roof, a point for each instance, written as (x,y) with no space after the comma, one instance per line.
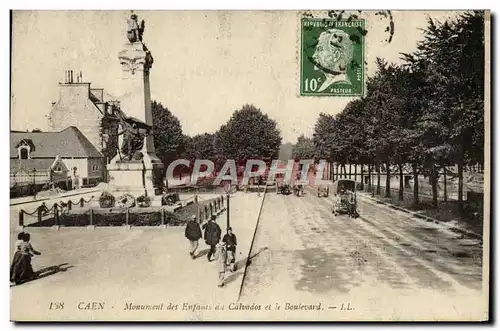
(68,143)
(29,164)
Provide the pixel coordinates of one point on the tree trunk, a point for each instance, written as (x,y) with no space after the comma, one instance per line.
(355,172)
(388,181)
(378,177)
(401,183)
(369,177)
(344,170)
(362,178)
(415,184)
(444,183)
(460,185)
(350,170)
(434,178)
(337,172)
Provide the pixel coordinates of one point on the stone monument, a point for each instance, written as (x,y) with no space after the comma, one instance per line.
(135,169)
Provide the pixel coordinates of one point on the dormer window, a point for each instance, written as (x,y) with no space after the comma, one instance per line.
(24,153)
(24,148)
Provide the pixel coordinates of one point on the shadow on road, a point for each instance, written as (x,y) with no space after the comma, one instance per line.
(247,261)
(203,252)
(233,277)
(48,271)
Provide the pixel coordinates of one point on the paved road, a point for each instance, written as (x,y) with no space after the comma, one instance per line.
(305,254)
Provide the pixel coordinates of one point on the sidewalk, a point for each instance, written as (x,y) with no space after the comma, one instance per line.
(142,265)
(29,199)
(454,228)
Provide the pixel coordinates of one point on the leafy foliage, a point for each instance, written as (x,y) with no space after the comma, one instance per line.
(304,148)
(167,132)
(249,134)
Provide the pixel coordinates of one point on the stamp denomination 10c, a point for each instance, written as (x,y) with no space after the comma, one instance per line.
(332,57)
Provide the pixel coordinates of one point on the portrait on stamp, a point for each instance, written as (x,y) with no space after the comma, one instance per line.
(332,57)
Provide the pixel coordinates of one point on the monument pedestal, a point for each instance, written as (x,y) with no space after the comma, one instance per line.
(135,177)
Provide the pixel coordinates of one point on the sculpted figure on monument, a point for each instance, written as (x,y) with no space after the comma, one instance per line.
(134,133)
(134,30)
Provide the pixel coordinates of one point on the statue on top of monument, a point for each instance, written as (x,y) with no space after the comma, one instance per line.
(134,30)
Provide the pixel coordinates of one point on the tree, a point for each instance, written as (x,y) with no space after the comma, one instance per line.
(249,134)
(452,57)
(201,146)
(167,133)
(304,148)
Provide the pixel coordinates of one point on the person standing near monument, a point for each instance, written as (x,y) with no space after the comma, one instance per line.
(212,235)
(193,234)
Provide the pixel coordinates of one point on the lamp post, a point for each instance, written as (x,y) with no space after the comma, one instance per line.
(34,181)
(227,199)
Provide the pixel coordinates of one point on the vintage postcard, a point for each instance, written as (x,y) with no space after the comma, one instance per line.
(250,165)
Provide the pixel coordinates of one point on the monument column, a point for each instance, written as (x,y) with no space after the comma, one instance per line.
(136,167)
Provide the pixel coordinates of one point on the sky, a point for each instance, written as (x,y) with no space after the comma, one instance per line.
(207,64)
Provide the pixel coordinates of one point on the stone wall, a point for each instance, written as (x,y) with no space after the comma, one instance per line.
(74,108)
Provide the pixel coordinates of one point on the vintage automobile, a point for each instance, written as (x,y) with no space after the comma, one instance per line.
(298,189)
(323,191)
(345,200)
(283,188)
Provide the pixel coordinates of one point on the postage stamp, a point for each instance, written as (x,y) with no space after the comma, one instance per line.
(332,57)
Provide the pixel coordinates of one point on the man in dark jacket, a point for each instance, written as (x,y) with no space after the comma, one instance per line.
(193,234)
(230,240)
(212,235)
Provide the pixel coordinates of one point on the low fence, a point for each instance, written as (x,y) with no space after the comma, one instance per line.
(65,214)
(424,194)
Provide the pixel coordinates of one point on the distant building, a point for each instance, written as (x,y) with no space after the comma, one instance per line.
(66,159)
(91,110)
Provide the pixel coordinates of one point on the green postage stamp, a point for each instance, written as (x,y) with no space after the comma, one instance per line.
(332,57)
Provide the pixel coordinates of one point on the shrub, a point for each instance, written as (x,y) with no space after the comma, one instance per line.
(115,219)
(170,199)
(143,201)
(126,201)
(106,200)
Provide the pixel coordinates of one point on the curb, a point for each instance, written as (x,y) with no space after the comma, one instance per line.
(54,197)
(247,264)
(425,218)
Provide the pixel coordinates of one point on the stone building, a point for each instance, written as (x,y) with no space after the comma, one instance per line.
(89,109)
(66,159)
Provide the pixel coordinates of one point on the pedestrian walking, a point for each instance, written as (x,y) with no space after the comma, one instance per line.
(229,240)
(221,257)
(212,235)
(21,269)
(193,234)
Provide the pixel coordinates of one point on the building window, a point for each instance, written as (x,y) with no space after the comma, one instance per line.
(95,167)
(24,153)
(58,169)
